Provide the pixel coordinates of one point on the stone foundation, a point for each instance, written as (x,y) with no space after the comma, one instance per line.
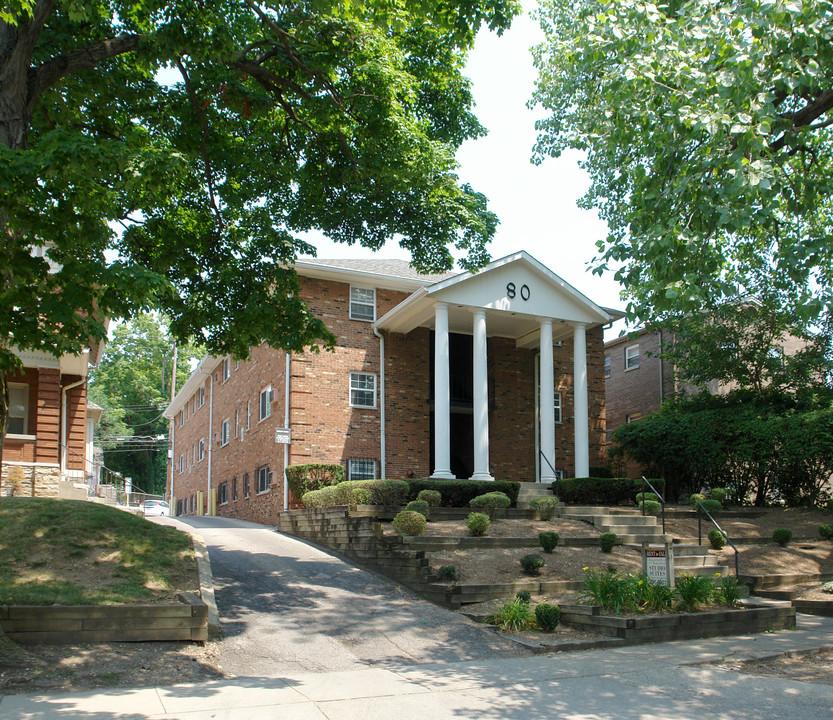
(39,480)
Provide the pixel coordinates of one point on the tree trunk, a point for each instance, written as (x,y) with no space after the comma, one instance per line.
(4,412)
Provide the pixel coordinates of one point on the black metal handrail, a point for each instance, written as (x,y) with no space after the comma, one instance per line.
(720,529)
(554,471)
(656,492)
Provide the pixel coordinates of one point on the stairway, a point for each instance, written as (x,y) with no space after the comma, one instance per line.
(530,491)
(631,527)
(695,560)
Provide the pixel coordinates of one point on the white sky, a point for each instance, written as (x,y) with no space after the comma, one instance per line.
(536,205)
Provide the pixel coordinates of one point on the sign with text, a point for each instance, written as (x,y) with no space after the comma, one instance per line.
(658,564)
(283,436)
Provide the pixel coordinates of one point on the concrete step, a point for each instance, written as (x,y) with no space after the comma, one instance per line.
(636,521)
(683,550)
(595,510)
(706,570)
(646,531)
(691,561)
(534,490)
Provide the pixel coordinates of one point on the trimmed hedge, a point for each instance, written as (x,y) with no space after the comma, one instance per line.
(458,493)
(312,476)
(382,492)
(601,491)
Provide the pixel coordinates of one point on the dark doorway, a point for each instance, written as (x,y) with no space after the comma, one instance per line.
(462,443)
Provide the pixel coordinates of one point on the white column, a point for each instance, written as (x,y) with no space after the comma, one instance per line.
(442,396)
(481,399)
(581,414)
(547,391)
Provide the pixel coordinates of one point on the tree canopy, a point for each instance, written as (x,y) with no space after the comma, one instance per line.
(706,128)
(192,193)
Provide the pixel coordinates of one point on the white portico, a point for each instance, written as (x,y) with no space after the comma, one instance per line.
(518,298)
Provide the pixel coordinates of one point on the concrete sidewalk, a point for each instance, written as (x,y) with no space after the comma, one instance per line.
(630,683)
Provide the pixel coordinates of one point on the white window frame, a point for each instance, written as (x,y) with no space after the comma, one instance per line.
(263,472)
(181,464)
(226,369)
(201,396)
(234,490)
(220,493)
(237,422)
(356,379)
(362,297)
(225,432)
(361,467)
(631,357)
(22,388)
(608,364)
(247,488)
(248,414)
(632,417)
(201,450)
(265,408)
(556,409)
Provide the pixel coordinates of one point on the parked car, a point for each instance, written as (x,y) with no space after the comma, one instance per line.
(155,508)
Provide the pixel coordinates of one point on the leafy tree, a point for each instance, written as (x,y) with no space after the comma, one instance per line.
(132,384)
(706,128)
(191,194)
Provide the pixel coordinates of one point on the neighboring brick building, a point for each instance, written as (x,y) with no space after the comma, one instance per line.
(440,376)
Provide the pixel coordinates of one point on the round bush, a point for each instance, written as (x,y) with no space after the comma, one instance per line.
(548,540)
(641,497)
(432,497)
(544,507)
(477,523)
(490,502)
(719,494)
(826,532)
(447,573)
(524,596)
(420,506)
(717,539)
(713,507)
(607,541)
(409,522)
(532,564)
(695,498)
(547,616)
(651,507)
(782,536)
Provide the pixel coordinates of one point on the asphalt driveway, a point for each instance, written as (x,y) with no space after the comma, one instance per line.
(286,606)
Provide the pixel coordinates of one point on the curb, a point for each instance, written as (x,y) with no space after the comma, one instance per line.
(206,584)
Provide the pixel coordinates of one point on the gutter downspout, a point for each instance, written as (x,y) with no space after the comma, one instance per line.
(381,399)
(64,439)
(210,438)
(286,425)
(661,388)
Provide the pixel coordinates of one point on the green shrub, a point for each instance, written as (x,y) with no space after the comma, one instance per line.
(532,564)
(653,597)
(695,498)
(600,491)
(382,492)
(524,596)
(693,591)
(361,496)
(477,523)
(325,497)
(827,587)
(728,591)
(712,507)
(513,616)
(653,497)
(409,522)
(720,494)
(447,573)
(548,541)
(387,492)
(782,536)
(419,506)
(717,539)
(547,616)
(432,497)
(458,493)
(607,541)
(544,507)
(490,502)
(651,507)
(826,532)
(600,471)
(610,590)
(312,476)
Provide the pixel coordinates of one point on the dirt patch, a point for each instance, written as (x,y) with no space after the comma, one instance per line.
(772,559)
(803,523)
(815,666)
(515,528)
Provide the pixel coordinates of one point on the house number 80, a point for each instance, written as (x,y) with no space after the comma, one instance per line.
(511,291)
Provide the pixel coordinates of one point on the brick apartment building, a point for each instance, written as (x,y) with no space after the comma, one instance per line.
(441,376)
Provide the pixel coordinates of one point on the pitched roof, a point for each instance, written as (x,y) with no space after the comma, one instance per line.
(386,268)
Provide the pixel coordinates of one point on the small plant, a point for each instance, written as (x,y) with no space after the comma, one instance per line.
(548,541)
(547,616)
(712,507)
(642,497)
(782,536)
(610,590)
(447,573)
(607,541)
(695,498)
(513,616)
(728,591)
(650,507)
(432,497)
(693,591)
(420,506)
(409,522)
(827,587)
(717,539)
(826,532)
(720,494)
(532,564)
(544,507)
(491,502)
(524,596)
(478,524)
(653,597)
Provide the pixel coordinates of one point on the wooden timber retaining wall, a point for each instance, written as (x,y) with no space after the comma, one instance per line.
(69,624)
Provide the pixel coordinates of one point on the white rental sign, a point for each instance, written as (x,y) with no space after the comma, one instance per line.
(283,436)
(658,563)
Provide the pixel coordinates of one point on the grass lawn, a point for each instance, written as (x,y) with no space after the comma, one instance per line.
(71,552)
